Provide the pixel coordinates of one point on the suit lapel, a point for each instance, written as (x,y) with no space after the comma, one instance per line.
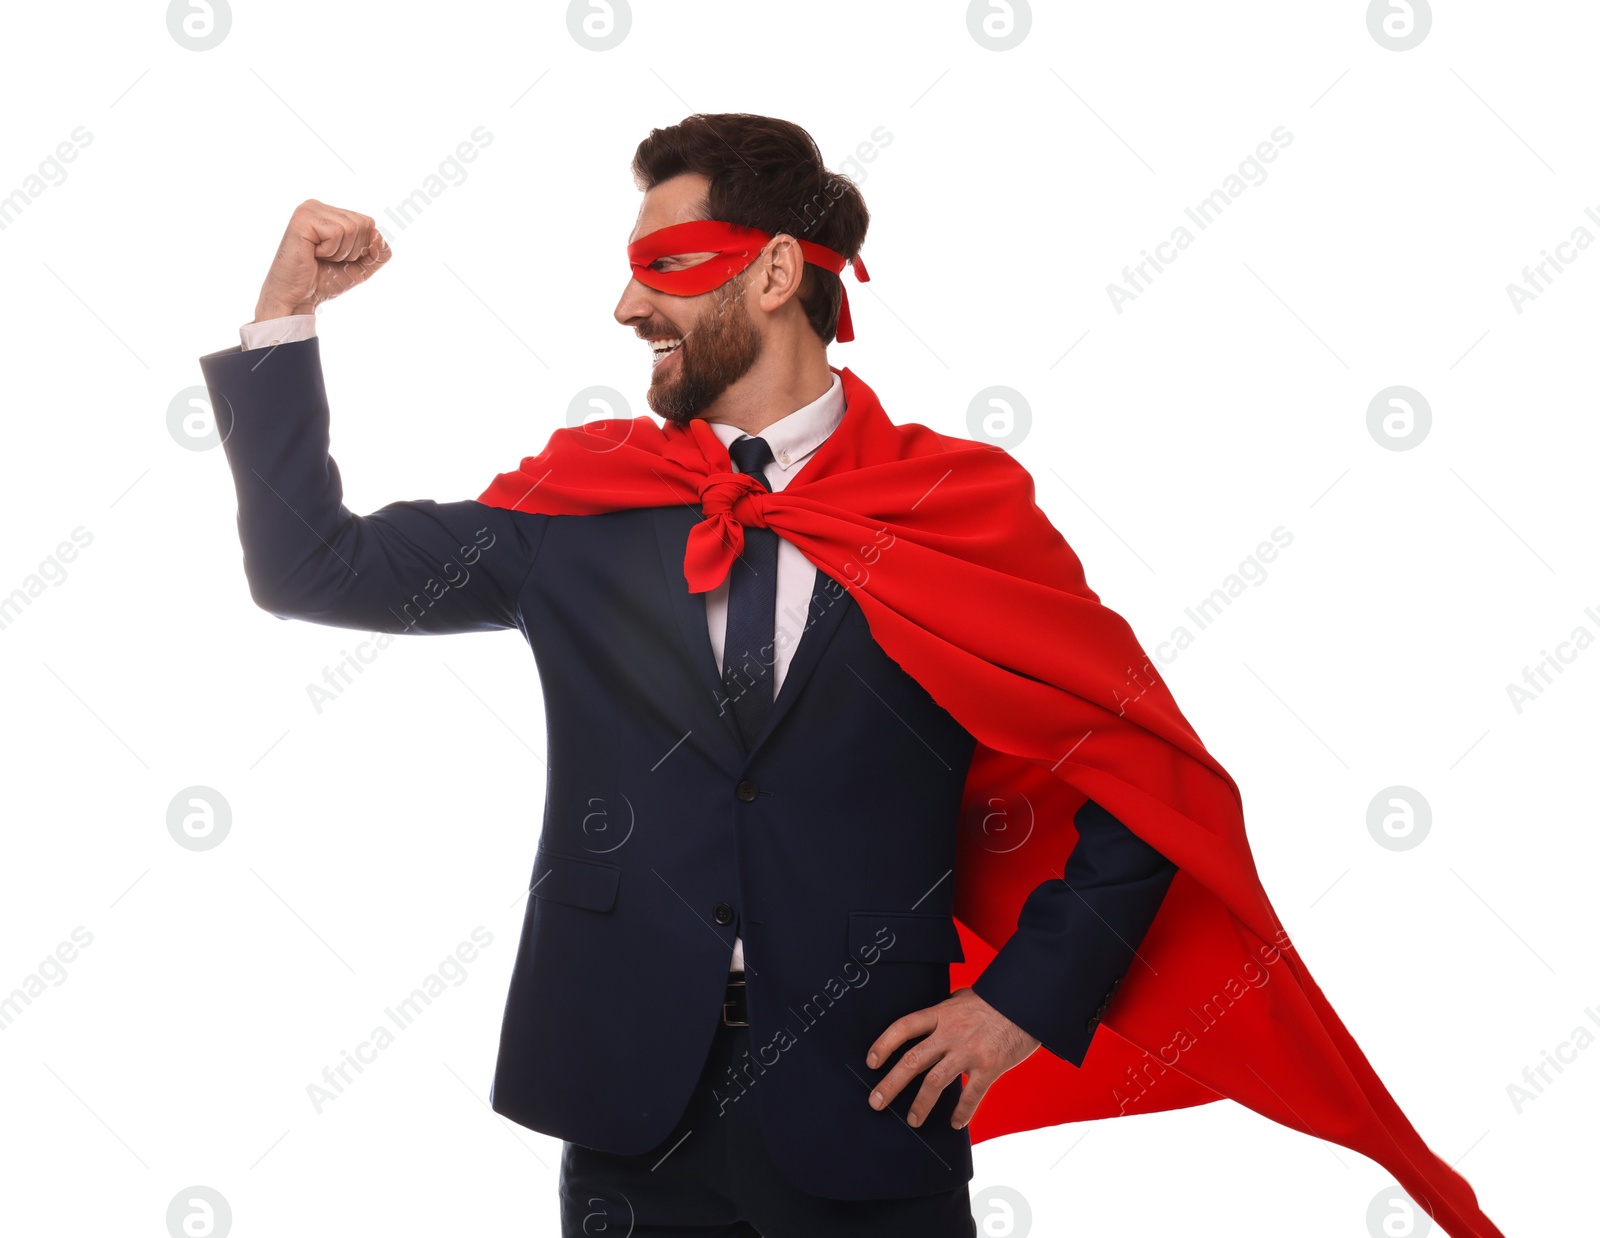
(689,610)
(829,604)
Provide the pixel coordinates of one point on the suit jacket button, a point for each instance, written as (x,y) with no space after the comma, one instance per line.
(723,913)
(747,791)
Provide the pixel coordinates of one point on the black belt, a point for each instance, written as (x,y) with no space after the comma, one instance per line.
(734,1011)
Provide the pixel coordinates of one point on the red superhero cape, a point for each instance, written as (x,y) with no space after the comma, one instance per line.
(969,588)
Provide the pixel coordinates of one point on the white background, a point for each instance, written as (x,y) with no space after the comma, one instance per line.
(1167,441)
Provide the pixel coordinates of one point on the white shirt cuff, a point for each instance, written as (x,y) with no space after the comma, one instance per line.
(271,331)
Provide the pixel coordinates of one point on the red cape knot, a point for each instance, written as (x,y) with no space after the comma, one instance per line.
(729,501)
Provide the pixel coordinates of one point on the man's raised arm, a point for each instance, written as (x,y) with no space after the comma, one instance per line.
(416,566)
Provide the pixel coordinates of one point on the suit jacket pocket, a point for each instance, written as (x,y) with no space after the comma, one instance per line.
(904,937)
(575,881)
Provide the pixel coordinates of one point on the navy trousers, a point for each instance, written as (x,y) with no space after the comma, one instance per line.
(712,1177)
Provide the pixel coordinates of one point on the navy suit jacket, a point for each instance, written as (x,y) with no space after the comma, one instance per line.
(829,846)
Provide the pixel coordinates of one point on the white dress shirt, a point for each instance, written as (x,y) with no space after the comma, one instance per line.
(793,439)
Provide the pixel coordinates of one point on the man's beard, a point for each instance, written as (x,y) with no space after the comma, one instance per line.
(717,351)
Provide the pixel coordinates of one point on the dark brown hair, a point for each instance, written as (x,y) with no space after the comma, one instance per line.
(765,173)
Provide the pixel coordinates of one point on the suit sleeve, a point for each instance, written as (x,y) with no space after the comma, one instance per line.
(1077,936)
(411,567)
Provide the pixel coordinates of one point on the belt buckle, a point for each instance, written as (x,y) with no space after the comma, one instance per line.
(726,1021)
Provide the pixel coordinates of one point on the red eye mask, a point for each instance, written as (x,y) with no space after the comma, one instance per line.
(735,247)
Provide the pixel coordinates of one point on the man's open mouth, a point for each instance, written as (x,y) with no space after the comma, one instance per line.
(663,349)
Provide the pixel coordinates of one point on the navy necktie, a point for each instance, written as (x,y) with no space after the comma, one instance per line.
(747,648)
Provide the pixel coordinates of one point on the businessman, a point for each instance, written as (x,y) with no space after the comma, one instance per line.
(731,997)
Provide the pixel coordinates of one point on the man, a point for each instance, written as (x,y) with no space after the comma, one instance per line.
(736,1014)
(815,660)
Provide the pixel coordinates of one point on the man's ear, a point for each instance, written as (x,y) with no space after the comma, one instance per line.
(782,271)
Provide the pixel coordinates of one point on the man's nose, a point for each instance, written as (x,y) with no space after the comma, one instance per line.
(633,305)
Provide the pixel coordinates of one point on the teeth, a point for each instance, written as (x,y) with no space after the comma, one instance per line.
(662,347)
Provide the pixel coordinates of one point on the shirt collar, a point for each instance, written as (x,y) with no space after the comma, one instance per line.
(794,436)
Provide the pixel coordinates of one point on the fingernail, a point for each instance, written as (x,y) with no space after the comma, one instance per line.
(877,1099)
(915,1120)
(872,1059)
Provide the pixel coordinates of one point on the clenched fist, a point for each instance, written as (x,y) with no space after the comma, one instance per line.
(324,251)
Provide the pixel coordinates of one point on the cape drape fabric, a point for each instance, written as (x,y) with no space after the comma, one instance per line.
(969,588)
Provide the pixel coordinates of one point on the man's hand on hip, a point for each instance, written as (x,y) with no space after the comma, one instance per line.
(961,1035)
(324,251)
